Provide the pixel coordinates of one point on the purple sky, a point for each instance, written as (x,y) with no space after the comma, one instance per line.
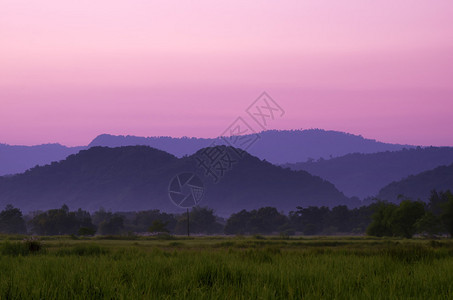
(70,70)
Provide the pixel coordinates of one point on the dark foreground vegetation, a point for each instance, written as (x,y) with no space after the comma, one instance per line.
(434,218)
(260,267)
(105,255)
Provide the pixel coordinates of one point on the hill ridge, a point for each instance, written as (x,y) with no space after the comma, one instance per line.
(419,186)
(137,177)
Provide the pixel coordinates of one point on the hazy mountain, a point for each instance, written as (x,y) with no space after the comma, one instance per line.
(275,146)
(17,159)
(138,177)
(364,175)
(176,146)
(419,186)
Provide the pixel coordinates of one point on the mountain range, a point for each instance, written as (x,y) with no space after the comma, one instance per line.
(137,178)
(17,159)
(275,146)
(364,175)
(133,173)
(419,186)
(278,147)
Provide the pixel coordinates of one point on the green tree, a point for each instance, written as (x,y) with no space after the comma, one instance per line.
(339,218)
(238,223)
(429,224)
(264,220)
(381,220)
(361,217)
(11,221)
(201,220)
(406,216)
(436,201)
(310,220)
(267,220)
(60,221)
(447,214)
(54,222)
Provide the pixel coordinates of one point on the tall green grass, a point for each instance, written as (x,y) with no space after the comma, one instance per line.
(231,269)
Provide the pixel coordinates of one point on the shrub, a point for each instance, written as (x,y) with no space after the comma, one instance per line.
(86,231)
(23,248)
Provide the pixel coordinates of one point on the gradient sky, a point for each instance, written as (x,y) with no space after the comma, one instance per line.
(70,70)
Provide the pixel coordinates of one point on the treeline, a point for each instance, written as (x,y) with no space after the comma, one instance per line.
(412,217)
(62,221)
(377,219)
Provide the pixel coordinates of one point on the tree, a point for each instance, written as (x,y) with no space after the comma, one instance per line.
(158,226)
(436,201)
(447,214)
(267,220)
(309,220)
(61,221)
(429,224)
(143,220)
(264,220)
(361,218)
(54,222)
(112,225)
(201,220)
(238,223)
(11,221)
(381,220)
(405,217)
(83,218)
(339,217)
(100,216)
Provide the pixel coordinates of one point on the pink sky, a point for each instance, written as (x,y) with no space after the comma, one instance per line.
(70,70)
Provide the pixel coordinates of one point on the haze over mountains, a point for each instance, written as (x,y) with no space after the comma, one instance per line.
(363,175)
(419,186)
(278,147)
(17,159)
(137,178)
(119,173)
(275,146)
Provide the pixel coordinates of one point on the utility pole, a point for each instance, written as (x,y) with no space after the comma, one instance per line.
(188,228)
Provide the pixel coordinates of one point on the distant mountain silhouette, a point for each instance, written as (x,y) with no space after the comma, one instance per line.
(275,146)
(278,147)
(176,146)
(364,175)
(419,186)
(137,177)
(17,159)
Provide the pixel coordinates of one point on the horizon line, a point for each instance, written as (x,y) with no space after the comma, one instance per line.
(210,138)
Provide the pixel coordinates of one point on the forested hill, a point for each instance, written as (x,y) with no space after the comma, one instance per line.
(419,186)
(275,146)
(137,178)
(364,175)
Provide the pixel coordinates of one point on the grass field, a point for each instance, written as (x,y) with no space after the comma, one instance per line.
(226,268)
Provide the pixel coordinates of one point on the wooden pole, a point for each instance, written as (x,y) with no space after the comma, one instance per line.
(188,228)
